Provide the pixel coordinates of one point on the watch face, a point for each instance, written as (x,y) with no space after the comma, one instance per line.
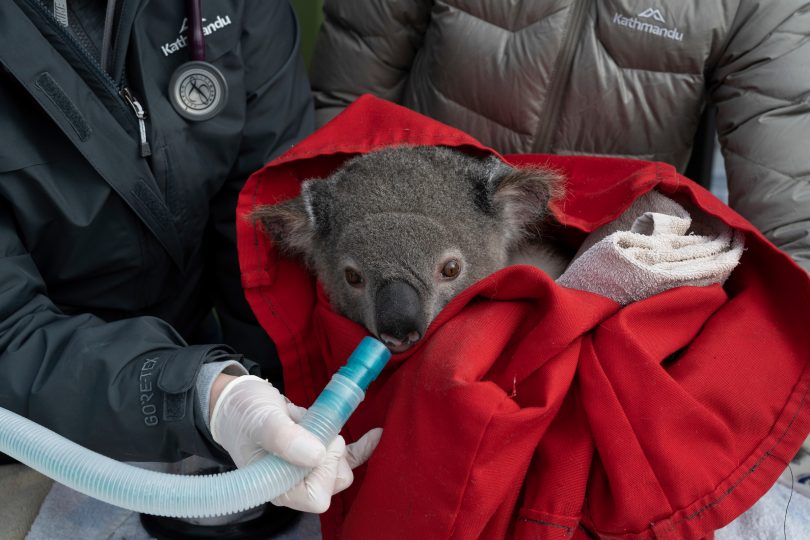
(198,90)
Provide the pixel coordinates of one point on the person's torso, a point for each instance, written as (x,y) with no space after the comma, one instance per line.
(128,239)
(614,77)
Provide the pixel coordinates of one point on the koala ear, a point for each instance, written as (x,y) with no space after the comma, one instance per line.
(294,225)
(519,198)
(317,198)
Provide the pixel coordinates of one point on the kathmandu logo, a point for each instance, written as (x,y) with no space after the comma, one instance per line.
(181,42)
(639,25)
(654,13)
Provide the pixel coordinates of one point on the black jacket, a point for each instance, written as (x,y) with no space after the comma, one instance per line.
(110,261)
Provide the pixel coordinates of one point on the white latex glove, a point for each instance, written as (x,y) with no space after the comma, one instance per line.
(251,417)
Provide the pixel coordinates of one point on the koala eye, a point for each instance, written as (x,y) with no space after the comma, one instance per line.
(353,277)
(451,269)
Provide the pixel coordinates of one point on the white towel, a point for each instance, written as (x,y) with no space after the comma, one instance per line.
(655,245)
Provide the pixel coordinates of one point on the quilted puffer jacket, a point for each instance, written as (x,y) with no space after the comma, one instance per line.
(610,77)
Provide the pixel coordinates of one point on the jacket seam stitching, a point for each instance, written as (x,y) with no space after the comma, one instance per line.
(768,167)
(362,38)
(542,19)
(717,65)
(477,113)
(786,101)
(339,22)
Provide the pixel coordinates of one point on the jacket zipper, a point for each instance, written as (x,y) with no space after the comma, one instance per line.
(123,96)
(140,114)
(562,71)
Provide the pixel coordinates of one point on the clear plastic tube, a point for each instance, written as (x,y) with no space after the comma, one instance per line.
(173,495)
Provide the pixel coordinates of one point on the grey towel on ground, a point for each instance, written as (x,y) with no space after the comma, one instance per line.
(22,491)
(655,245)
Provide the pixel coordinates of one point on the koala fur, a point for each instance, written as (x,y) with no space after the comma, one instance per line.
(395,234)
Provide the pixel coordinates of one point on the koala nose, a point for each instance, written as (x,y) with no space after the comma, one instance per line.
(398,312)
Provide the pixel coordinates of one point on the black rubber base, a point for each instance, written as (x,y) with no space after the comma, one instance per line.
(273,520)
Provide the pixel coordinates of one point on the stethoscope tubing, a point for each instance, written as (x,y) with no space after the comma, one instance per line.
(197,38)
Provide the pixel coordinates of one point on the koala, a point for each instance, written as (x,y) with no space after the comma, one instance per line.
(395,234)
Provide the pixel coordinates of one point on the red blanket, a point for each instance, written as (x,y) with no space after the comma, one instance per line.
(534,411)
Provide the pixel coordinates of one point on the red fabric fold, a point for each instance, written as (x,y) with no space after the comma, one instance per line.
(534,411)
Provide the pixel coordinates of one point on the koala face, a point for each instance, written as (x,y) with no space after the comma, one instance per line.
(395,234)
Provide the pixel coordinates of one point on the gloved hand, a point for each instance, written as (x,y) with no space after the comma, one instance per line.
(250,418)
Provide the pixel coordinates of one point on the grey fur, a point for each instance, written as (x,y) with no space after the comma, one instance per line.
(398,214)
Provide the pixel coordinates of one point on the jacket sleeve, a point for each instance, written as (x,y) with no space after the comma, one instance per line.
(365,47)
(279,113)
(124,389)
(760,86)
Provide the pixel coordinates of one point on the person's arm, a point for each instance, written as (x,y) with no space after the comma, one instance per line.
(127,389)
(278,114)
(760,86)
(365,47)
(124,389)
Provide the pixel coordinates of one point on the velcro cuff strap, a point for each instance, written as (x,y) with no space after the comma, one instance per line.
(180,368)
(59,97)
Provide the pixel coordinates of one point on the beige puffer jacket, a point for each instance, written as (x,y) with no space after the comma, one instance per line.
(611,77)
